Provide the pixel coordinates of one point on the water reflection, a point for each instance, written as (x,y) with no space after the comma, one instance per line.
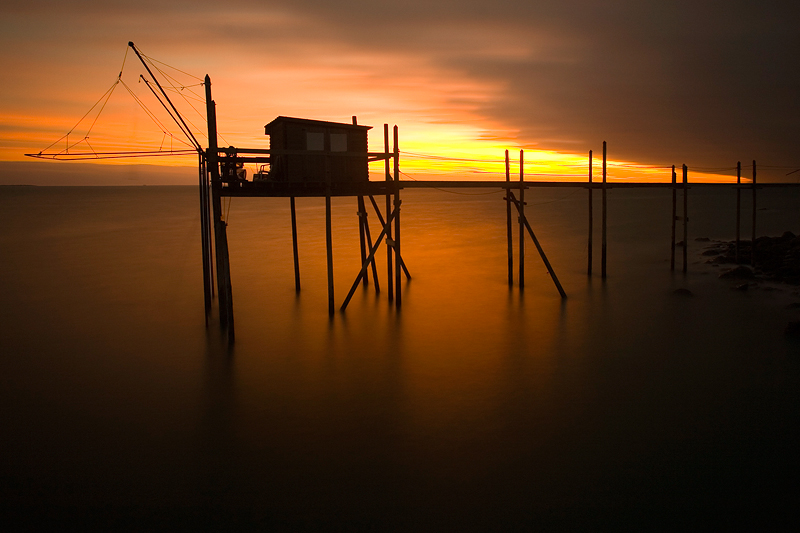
(475,406)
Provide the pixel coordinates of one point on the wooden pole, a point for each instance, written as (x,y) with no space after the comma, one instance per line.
(685,217)
(390,269)
(329,248)
(226,265)
(674,218)
(361,214)
(539,248)
(397,201)
(220,232)
(753,246)
(204,237)
(508,226)
(371,257)
(294,245)
(209,228)
(328,234)
(361,235)
(591,217)
(369,247)
(604,249)
(521,210)
(738,208)
(380,219)
(221,295)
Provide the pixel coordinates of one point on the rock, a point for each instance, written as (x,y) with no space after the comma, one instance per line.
(741,287)
(683,292)
(740,272)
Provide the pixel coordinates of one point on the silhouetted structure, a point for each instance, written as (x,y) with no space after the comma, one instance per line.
(315,158)
(308,151)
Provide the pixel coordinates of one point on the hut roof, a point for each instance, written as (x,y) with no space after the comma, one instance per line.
(313,123)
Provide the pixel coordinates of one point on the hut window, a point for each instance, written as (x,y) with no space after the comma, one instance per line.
(338,142)
(315,141)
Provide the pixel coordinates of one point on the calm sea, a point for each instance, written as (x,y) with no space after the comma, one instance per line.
(475,407)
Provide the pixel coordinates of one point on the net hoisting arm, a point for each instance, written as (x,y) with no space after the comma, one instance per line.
(177,116)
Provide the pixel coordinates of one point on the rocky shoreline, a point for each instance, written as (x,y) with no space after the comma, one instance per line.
(777,261)
(777,258)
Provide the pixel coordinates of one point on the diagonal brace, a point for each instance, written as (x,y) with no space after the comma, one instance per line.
(363,215)
(369,259)
(380,219)
(538,246)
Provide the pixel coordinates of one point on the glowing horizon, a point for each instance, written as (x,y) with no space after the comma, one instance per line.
(443,133)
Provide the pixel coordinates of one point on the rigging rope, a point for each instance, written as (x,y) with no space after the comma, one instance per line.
(82,156)
(106,95)
(186,92)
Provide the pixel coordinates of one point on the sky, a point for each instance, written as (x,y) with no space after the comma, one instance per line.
(704,83)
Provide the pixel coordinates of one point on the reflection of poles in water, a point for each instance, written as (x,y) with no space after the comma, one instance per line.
(217,422)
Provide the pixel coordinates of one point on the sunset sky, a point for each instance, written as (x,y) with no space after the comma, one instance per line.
(697,82)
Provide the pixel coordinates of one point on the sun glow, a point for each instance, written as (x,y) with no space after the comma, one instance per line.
(443,134)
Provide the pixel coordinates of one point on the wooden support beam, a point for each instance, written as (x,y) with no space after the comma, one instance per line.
(738,208)
(389,268)
(226,262)
(521,209)
(362,234)
(329,238)
(369,247)
(674,218)
(204,238)
(361,221)
(508,227)
(217,214)
(224,290)
(591,218)
(397,201)
(374,248)
(209,229)
(755,210)
(604,249)
(685,217)
(380,219)
(294,246)
(527,226)
(329,253)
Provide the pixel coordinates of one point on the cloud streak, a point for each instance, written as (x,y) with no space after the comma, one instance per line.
(705,82)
